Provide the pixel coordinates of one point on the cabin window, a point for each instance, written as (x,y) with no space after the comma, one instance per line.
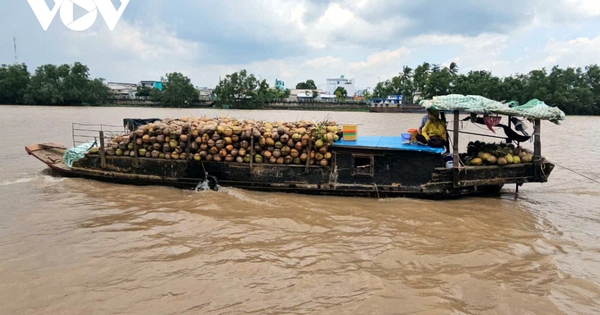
(362,165)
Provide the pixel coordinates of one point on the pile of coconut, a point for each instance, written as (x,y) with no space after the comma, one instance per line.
(482,153)
(230,140)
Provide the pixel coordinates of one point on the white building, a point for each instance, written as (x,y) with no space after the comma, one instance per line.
(347,84)
(204,93)
(123,91)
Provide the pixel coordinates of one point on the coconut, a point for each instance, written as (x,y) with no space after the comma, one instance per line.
(319,143)
(281,130)
(323,162)
(509,159)
(476,161)
(527,158)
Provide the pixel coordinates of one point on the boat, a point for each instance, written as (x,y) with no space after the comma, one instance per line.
(393,104)
(369,166)
(397,109)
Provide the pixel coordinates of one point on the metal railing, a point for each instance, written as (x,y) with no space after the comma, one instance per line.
(84,133)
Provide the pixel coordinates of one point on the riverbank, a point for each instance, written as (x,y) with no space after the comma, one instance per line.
(214,105)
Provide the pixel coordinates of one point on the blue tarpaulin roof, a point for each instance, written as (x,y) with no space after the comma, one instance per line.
(387,142)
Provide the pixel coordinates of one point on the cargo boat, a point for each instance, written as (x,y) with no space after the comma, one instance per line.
(376,166)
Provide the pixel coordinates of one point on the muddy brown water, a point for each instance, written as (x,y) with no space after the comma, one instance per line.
(76,246)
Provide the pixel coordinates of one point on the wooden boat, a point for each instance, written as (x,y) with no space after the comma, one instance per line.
(376,166)
(397,109)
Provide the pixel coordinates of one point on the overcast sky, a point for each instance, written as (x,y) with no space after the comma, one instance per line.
(295,40)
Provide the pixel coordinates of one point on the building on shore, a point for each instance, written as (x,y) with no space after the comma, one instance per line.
(347,84)
(205,93)
(123,91)
(151,84)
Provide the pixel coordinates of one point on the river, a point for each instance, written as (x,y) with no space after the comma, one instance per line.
(76,246)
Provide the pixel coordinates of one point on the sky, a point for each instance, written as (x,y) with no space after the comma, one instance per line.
(295,40)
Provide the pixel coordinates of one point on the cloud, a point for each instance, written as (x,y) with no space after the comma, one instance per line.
(572,53)
(296,40)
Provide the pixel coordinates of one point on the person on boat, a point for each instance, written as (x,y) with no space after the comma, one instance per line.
(433,133)
(423,122)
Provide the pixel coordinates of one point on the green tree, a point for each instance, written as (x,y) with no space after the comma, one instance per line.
(44,87)
(237,89)
(97,93)
(65,85)
(14,80)
(367,95)
(479,83)
(143,91)
(178,91)
(75,83)
(340,93)
(308,85)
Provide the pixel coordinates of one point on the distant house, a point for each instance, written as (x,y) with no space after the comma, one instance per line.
(152,84)
(303,94)
(123,91)
(205,93)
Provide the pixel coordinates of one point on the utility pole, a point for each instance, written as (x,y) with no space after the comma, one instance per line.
(15,44)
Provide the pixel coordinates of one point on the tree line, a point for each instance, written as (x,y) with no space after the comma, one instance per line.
(576,91)
(71,85)
(51,85)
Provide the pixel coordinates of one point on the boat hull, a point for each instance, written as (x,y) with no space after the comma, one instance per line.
(353,172)
(398,109)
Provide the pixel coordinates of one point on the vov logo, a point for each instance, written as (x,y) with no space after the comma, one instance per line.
(45,14)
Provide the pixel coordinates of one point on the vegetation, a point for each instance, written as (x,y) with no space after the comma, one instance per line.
(178,91)
(243,90)
(14,80)
(340,93)
(308,85)
(65,84)
(576,91)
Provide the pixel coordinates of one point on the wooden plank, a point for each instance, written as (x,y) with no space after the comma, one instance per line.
(537,146)
(102,151)
(455,162)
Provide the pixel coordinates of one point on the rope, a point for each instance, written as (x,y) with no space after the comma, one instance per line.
(584,176)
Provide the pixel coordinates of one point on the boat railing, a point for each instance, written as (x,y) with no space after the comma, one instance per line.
(85,133)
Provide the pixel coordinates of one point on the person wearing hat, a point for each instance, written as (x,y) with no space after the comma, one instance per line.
(433,133)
